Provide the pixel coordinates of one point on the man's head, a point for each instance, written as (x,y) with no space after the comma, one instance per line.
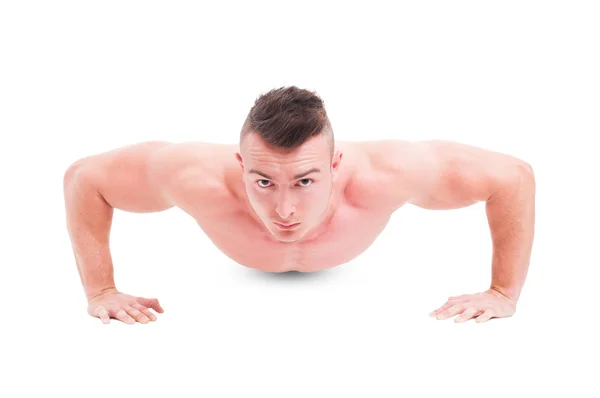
(287,134)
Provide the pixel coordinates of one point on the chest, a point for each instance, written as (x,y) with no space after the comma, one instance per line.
(351,231)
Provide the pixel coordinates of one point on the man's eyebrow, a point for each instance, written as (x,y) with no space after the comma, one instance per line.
(313,170)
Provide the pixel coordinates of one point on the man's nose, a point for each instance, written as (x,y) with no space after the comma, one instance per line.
(285,207)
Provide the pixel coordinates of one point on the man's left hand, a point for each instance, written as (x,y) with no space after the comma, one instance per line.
(484,305)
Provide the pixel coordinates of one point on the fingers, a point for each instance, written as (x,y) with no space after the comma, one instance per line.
(127,309)
(150,303)
(441,309)
(124,316)
(144,311)
(102,313)
(137,314)
(453,310)
(486,316)
(129,314)
(467,314)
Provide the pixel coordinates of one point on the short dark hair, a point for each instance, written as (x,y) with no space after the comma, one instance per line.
(286,117)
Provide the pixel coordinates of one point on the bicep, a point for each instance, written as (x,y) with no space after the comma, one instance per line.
(443,175)
(121,177)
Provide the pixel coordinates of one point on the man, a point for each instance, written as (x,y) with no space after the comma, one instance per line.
(293,198)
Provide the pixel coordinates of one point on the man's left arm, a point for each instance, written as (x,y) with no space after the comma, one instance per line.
(511,216)
(438,174)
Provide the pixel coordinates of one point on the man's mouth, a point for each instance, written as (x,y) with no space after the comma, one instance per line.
(286,226)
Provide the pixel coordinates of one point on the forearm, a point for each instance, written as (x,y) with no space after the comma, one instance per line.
(511,217)
(89,219)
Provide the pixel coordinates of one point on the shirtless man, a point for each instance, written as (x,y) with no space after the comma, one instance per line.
(337,195)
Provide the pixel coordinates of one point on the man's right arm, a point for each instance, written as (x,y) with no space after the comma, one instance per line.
(93,187)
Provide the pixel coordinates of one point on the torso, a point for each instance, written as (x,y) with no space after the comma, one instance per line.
(358,220)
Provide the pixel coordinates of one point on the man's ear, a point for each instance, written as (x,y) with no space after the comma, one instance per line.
(239,159)
(335,162)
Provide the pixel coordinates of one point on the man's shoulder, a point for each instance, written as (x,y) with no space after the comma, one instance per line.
(372,176)
(196,174)
(192,157)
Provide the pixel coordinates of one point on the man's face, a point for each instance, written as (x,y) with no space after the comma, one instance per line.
(279,188)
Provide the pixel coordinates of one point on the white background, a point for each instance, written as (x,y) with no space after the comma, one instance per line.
(81,77)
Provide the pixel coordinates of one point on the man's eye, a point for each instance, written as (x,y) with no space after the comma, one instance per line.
(308,183)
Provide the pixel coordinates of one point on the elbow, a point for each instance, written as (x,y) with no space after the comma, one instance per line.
(72,172)
(527,172)
(523,170)
(526,168)
(527,176)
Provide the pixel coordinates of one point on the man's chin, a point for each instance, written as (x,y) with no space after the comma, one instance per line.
(284,240)
(282,236)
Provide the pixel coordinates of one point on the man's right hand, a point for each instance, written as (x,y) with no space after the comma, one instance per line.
(128,309)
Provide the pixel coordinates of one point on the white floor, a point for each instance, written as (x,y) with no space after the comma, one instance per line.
(517,77)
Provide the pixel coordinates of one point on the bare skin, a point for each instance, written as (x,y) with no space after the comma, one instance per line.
(341,209)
